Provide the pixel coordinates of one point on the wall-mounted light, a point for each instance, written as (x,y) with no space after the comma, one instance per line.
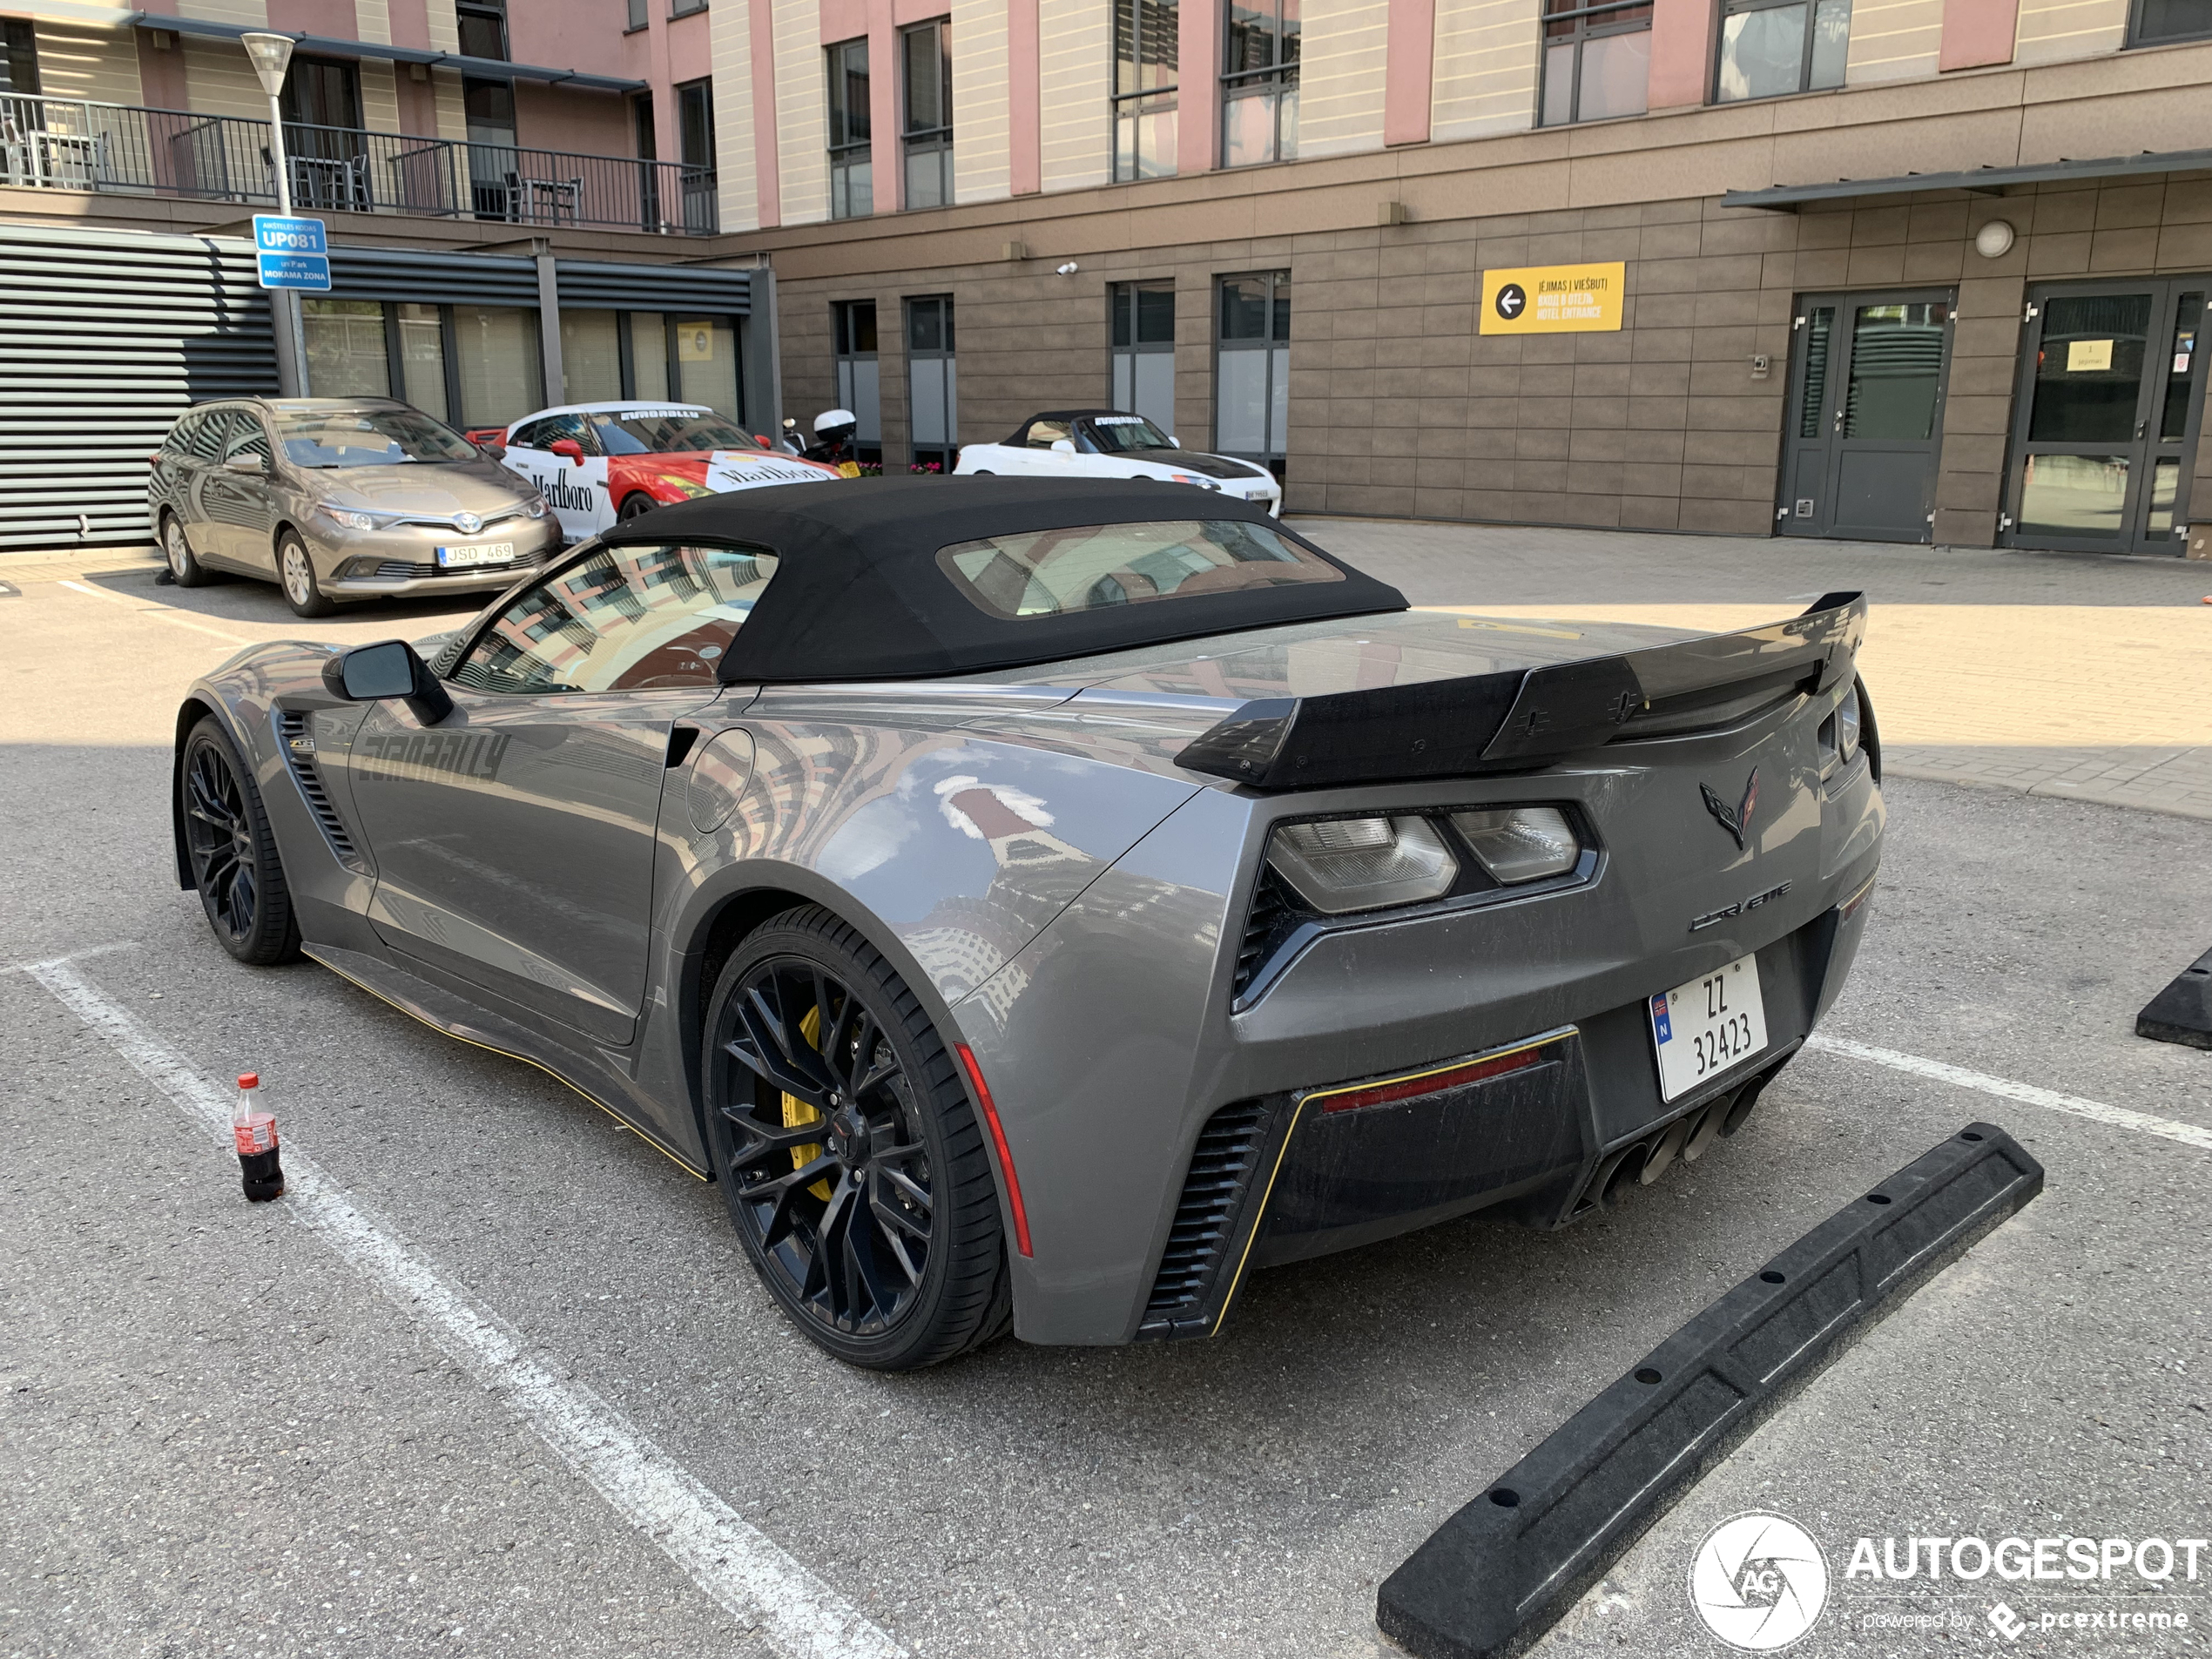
(1068,269)
(1994,239)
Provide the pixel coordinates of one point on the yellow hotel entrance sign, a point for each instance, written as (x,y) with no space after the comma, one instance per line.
(1554,298)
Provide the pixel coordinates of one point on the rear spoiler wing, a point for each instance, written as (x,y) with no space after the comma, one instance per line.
(1523,718)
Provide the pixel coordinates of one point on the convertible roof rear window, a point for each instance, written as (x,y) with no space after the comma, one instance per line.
(1091,567)
(921,578)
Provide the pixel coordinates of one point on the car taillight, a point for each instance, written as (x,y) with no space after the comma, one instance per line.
(1348,863)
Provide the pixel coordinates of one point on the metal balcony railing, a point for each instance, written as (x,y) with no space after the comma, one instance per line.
(120,149)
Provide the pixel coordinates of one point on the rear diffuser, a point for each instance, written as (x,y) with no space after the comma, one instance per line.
(2182,1012)
(1499,1573)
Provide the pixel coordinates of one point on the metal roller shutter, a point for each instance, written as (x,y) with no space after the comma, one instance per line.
(105,338)
(409,274)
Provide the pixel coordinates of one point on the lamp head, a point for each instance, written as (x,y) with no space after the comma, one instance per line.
(272,55)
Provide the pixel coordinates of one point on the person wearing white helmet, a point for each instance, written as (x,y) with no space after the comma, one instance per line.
(835,430)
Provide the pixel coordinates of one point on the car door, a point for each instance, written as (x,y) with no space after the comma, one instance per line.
(184,466)
(240,503)
(577,490)
(513,842)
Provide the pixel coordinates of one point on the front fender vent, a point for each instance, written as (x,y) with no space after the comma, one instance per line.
(295,737)
(1188,1287)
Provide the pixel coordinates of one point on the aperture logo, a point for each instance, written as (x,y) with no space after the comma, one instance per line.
(1758,1581)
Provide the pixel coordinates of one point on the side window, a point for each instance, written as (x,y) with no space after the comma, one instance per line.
(625,619)
(208,433)
(178,442)
(1044,433)
(246,436)
(527,436)
(543,435)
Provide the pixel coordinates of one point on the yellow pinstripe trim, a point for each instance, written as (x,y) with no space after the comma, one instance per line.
(1259,1216)
(507,1053)
(1297,1116)
(1544,1042)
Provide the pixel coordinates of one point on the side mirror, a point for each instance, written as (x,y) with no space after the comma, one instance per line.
(1174,440)
(258,466)
(1062,447)
(373,673)
(568,449)
(761,438)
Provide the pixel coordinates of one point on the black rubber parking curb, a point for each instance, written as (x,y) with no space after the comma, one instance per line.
(2182,1012)
(1499,1573)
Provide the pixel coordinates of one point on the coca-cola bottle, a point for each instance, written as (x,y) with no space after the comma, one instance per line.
(255,1129)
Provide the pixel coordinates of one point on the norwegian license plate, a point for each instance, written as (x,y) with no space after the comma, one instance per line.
(476,553)
(1708,1026)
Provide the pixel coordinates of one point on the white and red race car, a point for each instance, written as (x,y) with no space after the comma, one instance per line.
(597,463)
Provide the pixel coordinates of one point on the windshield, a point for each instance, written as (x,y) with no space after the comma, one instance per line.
(368,438)
(659,431)
(1055,573)
(1115,433)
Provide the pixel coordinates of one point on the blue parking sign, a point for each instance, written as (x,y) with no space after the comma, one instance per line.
(292,252)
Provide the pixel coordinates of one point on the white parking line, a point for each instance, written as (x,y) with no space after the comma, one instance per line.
(2004,1088)
(160,612)
(739,1567)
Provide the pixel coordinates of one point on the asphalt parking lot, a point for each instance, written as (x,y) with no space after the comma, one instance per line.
(224,1431)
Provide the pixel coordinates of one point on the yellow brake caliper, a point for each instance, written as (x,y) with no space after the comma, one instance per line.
(797,1112)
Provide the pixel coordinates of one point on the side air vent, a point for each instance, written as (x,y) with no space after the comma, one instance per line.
(1188,1285)
(1271,915)
(296,737)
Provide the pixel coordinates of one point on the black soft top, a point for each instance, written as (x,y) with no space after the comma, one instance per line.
(859,594)
(1070,416)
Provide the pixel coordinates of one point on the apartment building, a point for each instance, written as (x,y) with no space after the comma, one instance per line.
(522,200)
(1909,270)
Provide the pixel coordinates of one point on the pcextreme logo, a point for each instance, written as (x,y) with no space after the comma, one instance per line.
(1758,1581)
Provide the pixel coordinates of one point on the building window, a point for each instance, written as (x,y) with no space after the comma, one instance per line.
(347,351)
(685,8)
(19,58)
(852,178)
(1144,87)
(483,28)
(496,357)
(640,16)
(706,365)
(932,384)
(858,386)
(695,133)
(493,170)
(2156,22)
(1260,83)
(1143,350)
(925,76)
(1767,50)
(1253,369)
(1597,60)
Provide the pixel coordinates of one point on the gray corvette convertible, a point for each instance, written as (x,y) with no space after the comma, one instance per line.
(1043,903)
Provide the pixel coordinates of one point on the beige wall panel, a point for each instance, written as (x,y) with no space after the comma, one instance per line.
(2051,30)
(76,60)
(1892,39)
(452,114)
(373,21)
(982,139)
(802,112)
(1486,68)
(1075,82)
(253,13)
(730,51)
(219,81)
(380,96)
(1341,80)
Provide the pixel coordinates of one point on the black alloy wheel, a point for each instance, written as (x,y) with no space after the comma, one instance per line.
(853,1163)
(185,568)
(636,505)
(233,850)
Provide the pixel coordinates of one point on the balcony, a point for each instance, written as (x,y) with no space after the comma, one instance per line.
(122,150)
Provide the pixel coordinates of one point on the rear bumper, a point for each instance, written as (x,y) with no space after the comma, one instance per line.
(1567,1114)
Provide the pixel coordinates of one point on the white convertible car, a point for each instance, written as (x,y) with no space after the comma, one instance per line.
(1110,443)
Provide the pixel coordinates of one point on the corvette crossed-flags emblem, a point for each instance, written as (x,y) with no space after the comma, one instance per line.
(1737,823)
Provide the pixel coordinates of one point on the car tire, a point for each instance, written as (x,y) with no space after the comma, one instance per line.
(901,1168)
(296,575)
(185,568)
(634,505)
(233,850)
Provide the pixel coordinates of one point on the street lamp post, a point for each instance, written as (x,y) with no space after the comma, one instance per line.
(272,55)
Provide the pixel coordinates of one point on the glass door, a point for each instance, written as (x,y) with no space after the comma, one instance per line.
(1865,415)
(2111,403)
